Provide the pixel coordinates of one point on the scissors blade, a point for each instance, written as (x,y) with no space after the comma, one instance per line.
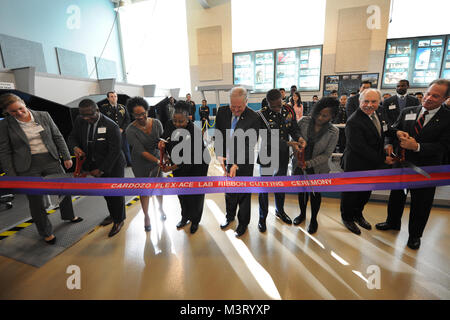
(417,169)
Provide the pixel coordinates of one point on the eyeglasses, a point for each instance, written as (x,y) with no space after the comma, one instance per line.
(139,115)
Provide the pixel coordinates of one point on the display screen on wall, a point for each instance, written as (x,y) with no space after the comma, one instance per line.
(418,60)
(445,73)
(263,71)
(348,83)
(280,68)
(287,68)
(309,69)
(243,68)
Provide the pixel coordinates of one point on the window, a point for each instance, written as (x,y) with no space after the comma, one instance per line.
(416,18)
(264,24)
(155,44)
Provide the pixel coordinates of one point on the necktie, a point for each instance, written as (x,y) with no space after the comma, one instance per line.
(401,102)
(376,123)
(91,133)
(419,123)
(233,125)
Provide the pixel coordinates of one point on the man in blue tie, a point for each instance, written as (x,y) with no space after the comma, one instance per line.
(233,123)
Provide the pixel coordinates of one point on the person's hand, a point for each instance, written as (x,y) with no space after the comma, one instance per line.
(294,145)
(409,144)
(96,173)
(389,160)
(402,135)
(68,164)
(168,168)
(302,142)
(222,164)
(233,170)
(78,152)
(121,130)
(389,149)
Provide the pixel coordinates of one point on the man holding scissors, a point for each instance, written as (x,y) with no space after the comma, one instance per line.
(423,132)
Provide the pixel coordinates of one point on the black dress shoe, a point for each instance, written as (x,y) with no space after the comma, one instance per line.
(106,221)
(299,219)
(350,225)
(313,225)
(262,225)
(78,219)
(194,227)
(240,230)
(148,228)
(226,223)
(386,226)
(413,243)
(182,223)
(363,223)
(115,229)
(52,241)
(283,216)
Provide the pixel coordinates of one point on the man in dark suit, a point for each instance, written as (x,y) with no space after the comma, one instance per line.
(391,109)
(204,115)
(423,131)
(395,104)
(364,150)
(233,122)
(193,108)
(99,139)
(119,114)
(353,102)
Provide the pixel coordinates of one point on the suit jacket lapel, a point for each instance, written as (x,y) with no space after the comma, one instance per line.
(411,124)
(14,125)
(38,120)
(369,122)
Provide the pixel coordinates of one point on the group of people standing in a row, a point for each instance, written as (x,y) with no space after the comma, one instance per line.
(31,145)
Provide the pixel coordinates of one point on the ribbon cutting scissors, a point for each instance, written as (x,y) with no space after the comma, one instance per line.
(301,164)
(78,167)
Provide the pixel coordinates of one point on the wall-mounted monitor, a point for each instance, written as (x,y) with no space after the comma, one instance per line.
(279,68)
(419,60)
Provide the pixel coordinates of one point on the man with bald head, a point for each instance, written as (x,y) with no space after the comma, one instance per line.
(232,123)
(365,131)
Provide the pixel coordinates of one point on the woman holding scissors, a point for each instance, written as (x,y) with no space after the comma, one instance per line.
(321,139)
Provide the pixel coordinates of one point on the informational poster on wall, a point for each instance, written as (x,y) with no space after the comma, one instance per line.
(418,60)
(348,83)
(445,73)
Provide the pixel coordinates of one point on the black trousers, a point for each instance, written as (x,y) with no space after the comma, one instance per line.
(279,197)
(192,207)
(303,197)
(352,204)
(243,200)
(116,204)
(421,203)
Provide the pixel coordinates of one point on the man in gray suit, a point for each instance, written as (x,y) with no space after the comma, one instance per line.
(30,145)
